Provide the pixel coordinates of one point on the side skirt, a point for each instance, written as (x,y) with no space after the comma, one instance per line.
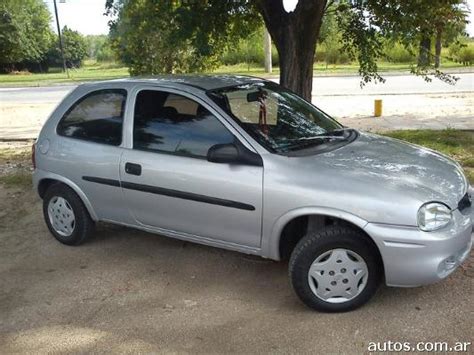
(192,238)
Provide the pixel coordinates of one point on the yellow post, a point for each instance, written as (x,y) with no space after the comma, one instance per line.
(378,108)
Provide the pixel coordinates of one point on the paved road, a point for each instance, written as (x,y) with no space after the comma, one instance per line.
(34,94)
(323,86)
(394,85)
(409,103)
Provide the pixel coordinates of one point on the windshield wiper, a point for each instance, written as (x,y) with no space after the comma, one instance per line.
(305,142)
(341,130)
(328,135)
(319,137)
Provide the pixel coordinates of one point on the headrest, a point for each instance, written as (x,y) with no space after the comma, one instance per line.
(169,112)
(202,111)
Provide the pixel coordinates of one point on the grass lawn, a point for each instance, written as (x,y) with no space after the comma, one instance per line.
(89,71)
(104,71)
(321,69)
(15,162)
(17,179)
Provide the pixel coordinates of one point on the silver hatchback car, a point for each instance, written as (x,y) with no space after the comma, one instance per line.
(241,163)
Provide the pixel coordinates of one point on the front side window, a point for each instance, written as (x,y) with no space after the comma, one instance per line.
(174,124)
(279,119)
(96,117)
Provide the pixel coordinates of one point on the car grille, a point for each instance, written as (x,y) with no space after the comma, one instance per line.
(464,203)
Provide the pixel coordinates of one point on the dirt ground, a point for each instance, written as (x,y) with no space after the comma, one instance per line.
(129,291)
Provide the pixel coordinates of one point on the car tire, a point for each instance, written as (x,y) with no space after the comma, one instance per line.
(327,269)
(66,216)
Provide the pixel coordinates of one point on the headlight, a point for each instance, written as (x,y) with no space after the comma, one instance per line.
(433,216)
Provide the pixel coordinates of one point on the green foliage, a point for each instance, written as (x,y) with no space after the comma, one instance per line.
(331,54)
(330,46)
(99,48)
(248,50)
(466,55)
(144,39)
(182,36)
(105,53)
(417,23)
(25,33)
(395,52)
(462,51)
(75,49)
(366,24)
(360,39)
(176,36)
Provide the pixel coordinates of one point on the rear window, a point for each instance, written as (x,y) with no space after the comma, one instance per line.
(96,117)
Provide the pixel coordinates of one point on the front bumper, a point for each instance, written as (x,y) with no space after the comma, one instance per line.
(412,257)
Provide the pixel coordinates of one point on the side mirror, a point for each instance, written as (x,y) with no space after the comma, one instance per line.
(223,153)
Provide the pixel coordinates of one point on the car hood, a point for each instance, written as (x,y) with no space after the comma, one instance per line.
(380,179)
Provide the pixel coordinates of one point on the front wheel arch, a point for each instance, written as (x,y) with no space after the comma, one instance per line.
(272,238)
(283,241)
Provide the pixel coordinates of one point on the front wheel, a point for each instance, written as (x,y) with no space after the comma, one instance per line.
(334,270)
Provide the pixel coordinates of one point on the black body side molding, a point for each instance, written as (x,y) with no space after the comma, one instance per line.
(171,193)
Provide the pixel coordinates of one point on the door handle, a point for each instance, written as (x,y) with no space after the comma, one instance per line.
(133,169)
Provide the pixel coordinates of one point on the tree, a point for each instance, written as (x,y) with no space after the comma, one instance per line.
(75,49)
(330,41)
(94,43)
(25,33)
(105,53)
(207,26)
(295,35)
(450,21)
(144,39)
(420,21)
(175,36)
(99,47)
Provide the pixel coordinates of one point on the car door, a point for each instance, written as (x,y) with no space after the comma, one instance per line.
(168,182)
(87,148)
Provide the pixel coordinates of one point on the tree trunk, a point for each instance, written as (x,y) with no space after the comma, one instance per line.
(267,47)
(295,35)
(439,33)
(425,51)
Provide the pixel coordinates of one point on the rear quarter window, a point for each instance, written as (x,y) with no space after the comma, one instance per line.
(96,117)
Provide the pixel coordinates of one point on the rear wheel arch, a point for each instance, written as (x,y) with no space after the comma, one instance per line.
(45,183)
(66,216)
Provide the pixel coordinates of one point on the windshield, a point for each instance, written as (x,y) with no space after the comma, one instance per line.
(277,118)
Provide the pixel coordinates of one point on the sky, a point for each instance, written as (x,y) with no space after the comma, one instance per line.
(86,16)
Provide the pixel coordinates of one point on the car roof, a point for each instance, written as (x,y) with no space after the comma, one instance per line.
(204,82)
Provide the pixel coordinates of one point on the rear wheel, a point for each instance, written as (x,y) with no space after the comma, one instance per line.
(334,270)
(66,216)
